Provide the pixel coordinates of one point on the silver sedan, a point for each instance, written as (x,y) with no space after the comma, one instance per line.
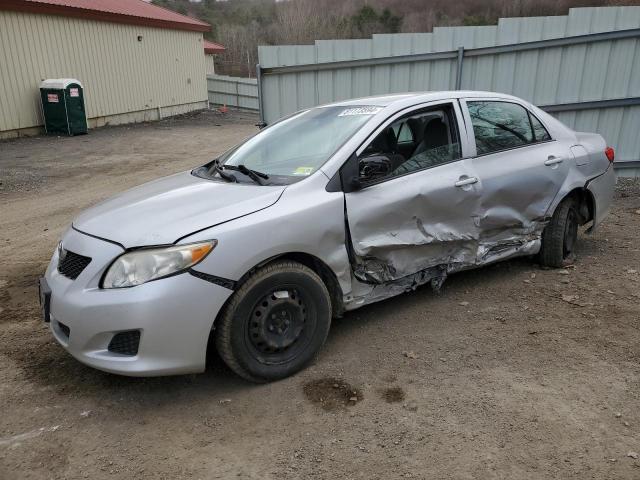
(327,210)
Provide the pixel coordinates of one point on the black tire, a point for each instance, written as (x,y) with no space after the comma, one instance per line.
(275,323)
(560,235)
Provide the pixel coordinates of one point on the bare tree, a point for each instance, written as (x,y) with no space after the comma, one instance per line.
(258,22)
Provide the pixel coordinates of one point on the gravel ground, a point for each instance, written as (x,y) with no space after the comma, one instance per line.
(509,372)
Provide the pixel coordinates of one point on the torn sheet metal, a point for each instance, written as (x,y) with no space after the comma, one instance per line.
(412,223)
(366,293)
(368,286)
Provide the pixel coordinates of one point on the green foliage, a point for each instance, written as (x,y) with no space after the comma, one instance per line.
(367,21)
(390,22)
(471,20)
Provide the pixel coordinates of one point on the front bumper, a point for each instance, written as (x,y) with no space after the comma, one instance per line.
(174,315)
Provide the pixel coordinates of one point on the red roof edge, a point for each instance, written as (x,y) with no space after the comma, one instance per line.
(67,11)
(211,48)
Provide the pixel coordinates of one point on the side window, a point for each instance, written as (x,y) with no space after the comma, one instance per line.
(403,132)
(500,126)
(539,132)
(414,142)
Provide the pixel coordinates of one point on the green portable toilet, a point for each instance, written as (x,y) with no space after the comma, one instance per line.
(63,106)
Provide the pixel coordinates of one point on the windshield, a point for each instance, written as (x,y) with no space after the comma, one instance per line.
(296,147)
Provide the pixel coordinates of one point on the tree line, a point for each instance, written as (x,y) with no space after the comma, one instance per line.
(242,25)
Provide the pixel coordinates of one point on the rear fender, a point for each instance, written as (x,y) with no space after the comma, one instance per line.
(596,195)
(602,189)
(575,180)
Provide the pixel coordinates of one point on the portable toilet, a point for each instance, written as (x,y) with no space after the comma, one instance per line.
(63,106)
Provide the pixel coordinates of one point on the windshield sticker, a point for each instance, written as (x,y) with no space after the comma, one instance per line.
(303,171)
(366,110)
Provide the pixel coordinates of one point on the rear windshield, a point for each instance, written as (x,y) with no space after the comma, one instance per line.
(297,146)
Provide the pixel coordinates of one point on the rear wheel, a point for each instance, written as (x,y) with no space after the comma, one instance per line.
(560,235)
(275,323)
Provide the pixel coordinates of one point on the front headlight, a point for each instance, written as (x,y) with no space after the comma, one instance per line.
(144,265)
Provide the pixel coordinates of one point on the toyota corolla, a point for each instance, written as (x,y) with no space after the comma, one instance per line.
(324,211)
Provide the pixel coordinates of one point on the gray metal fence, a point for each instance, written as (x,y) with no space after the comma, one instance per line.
(233,91)
(584,68)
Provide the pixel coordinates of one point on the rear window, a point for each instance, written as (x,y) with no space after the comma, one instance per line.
(502,125)
(540,133)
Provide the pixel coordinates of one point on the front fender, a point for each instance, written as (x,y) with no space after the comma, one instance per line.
(306,219)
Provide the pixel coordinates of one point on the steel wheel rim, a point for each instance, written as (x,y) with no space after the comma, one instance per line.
(280,325)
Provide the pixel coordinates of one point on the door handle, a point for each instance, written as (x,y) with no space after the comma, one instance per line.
(466,181)
(553,160)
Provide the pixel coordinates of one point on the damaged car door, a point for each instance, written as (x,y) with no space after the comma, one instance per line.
(522,169)
(412,210)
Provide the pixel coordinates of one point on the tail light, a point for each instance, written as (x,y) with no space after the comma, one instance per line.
(610,153)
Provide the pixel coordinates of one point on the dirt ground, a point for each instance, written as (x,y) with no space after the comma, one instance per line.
(509,372)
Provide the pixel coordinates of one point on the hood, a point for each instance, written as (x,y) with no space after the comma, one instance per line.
(162,211)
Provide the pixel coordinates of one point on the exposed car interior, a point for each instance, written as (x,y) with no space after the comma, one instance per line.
(414,142)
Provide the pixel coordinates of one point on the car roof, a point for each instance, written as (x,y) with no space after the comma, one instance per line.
(418,97)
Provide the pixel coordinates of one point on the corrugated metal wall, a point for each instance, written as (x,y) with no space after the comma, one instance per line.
(547,76)
(233,91)
(120,75)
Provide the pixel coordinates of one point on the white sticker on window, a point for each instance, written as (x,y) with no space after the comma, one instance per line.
(366,110)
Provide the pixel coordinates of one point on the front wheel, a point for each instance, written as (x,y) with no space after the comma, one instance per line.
(275,323)
(560,235)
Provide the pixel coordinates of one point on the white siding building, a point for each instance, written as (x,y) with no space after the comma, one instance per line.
(136,61)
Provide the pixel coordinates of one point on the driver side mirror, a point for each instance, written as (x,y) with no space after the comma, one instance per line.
(373,167)
(358,172)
